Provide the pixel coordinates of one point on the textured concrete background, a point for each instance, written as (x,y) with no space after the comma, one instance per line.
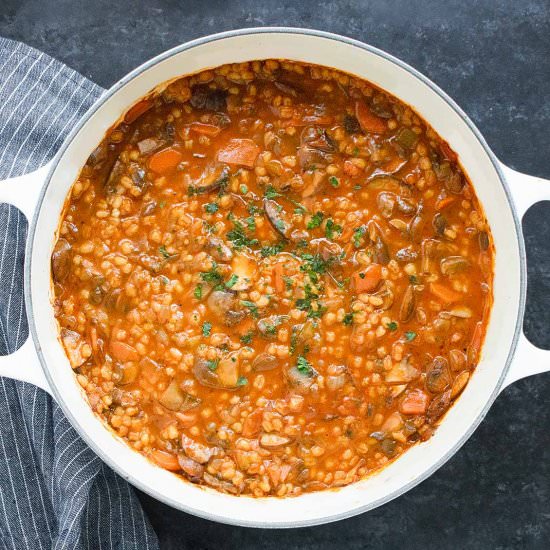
(493,58)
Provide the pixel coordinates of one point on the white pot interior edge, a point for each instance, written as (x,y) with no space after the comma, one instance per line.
(416,463)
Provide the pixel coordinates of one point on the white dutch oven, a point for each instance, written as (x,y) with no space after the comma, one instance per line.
(504,193)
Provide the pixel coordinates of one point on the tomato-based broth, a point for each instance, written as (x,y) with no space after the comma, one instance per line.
(272,278)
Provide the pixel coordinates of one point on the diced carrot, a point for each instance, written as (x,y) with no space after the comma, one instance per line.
(123,352)
(166,460)
(415,402)
(165,160)
(137,110)
(368,121)
(239,151)
(367,279)
(444,202)
(447,151)
(445,293)
(205,129)
(278,281)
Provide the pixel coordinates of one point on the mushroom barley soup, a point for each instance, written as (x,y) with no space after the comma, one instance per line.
(272,278)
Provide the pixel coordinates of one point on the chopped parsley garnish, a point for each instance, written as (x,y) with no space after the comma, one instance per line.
(358,235)
(243,189)
(271,192)
(310,303)
(355,151)
(348,319)
(413,279)
(251,306)
(280,225)
(166,255)
(238,236)
(206,328)
(211,207)
(410,335)
(162,204)
(164,279)
(271,250)
(213,277)
(242,381)
(302,243)
(357,187)
(212,364)
(198,292)
(315,221)
(333,180)
(253,209)
(232,281)
(304,366)
(288,282)
(247,338)
(331,228)
(392,325)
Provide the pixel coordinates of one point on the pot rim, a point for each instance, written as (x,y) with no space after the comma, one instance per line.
(135,73)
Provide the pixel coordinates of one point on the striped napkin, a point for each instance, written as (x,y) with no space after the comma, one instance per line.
(54,491)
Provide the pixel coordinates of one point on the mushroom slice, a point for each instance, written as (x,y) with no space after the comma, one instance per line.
(219,250)
(274,211)
(61,260)
(402,373)
(263,362)
(214,177)
(408,304)
(268,325)
(223,303)
(73,343)
(196,451)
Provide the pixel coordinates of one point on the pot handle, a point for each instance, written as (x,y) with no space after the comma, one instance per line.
(526,191)
(23,192)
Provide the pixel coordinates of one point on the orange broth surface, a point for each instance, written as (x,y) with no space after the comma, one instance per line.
(272,278)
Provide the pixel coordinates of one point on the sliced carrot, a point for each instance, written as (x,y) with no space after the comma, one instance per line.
(239,151)
(447,151)
(278,281)
(415,402)
(123,352)
(164,161)
(205,129)
(137,110)
(444,202)
(445,293)
(368,121)
(367,279)
(166,460)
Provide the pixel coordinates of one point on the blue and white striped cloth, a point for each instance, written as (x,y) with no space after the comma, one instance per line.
(54,491)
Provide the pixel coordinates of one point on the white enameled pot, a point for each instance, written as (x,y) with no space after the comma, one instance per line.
(504,193)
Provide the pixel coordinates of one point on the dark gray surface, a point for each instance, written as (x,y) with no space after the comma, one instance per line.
(493,58)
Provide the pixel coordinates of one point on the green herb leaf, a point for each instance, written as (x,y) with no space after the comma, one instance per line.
(348,319)
(271,250)
(251,306)
(315,221)
(198,292)
(413,279)
(243,189)
(392,325)
(206,328)
(333,180)
(331,228)
(232,281)
(358,235)
(213,364)
(213,277)
(271,192)
(242,381)
(410,335)
(247,338)
(211,207)
(304,366)
(162,204)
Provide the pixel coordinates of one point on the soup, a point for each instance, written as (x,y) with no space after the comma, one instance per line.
(272,278)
